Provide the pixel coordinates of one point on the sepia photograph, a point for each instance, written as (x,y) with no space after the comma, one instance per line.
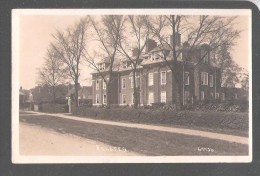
(131,85)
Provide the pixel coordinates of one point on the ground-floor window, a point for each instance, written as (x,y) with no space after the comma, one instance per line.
(104,99)
(150,98)
(212,95)
(186,97)
(123,99)
(97,99)
(163,96)
(217,96)
(223,96)
(202,96)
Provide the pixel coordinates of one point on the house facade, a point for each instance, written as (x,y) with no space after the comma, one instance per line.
(199,77)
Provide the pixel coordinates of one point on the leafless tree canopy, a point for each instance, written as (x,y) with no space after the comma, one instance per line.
(108,32)
(117,35)
(52,72)
(70,46)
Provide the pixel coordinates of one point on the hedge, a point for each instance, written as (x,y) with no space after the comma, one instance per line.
(53,108)
(219,120)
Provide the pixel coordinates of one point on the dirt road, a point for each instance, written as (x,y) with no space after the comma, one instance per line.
(35,140)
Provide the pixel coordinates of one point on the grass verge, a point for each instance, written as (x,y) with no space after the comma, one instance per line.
(147,142)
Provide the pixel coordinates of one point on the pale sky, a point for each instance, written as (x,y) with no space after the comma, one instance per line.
(35,36)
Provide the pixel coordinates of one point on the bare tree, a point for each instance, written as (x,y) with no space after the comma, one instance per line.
(51,74)
(137,36)
(70,46)
(107,34)
(230,71)
(213,30)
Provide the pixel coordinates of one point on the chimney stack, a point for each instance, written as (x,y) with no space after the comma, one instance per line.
(150,44)
(177,39)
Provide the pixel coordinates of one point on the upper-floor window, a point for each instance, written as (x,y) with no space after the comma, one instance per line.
(132,82)
(104,85)
(205,56)
(102,66)
(150,79)
(163,77)
(204,78)
(97,85)
(187,78)
(123,83)
(211,80)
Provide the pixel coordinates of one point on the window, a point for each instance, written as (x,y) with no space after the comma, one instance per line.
(205,56)
(124,65)
(123,83)
(223,96)
(163,77)
(187,78)
(104,85)
(104,99)
(102,66)
(133,98)
(150,76)
(210,80)
(211,95)
(132,82)
(204,78)
(137,81)
(151,98)
(123,99)
(217,96)
(97,98)
(186,97)
(97,85)
(163,96)
(202,96)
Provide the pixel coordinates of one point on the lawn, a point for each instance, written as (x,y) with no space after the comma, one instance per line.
(147,142)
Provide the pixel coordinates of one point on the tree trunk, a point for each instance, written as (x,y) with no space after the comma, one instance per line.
(108,93)
(76,93)
(135,88)
(53,94)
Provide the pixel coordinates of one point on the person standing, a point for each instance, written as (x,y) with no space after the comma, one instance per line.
(69,104)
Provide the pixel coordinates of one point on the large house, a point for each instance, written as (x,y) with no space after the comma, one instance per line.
(200,77)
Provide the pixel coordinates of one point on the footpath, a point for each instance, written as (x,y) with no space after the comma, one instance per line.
(205,134)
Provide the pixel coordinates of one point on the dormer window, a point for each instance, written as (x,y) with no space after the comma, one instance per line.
(124,65)
(102,66)
(154,56)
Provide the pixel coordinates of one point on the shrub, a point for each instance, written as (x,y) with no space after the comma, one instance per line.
(219,120)
(53,108)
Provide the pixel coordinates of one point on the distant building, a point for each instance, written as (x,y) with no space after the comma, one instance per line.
(84,92)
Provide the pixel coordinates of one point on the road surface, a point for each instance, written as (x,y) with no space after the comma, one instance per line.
(35,140)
